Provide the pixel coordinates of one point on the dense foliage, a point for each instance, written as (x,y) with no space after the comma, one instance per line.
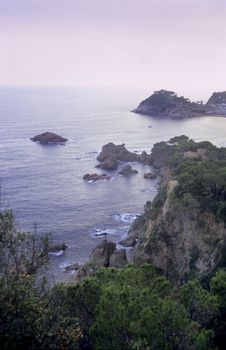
(200,169)
(131,308)
(31,314)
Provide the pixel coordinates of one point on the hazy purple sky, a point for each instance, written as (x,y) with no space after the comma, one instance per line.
(151,44)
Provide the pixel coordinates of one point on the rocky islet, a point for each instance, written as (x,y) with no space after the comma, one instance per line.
(49,138)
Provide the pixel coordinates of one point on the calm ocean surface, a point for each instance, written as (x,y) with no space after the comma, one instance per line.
(43,184)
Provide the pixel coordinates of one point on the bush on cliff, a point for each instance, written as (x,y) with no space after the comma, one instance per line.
(32,316)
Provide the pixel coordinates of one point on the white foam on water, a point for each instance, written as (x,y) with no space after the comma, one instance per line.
(63,265)
(125,217)
(102,232)
(101,180)
(146,190)
(58,253)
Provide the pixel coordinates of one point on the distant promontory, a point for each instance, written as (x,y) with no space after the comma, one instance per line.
(167,104)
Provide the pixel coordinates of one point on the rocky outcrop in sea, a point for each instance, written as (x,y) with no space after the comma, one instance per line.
(110,157)
(49,138)
(112,154)
(166,104)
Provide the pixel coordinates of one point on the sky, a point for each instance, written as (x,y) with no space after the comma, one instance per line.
(147,44)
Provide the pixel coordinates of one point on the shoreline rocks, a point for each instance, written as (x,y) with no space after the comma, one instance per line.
(104,255)
(135,231)
(49,138)
(57,249)
(150,176)
(107,255)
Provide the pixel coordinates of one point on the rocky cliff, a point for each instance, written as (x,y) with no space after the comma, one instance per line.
(166,104)
(216,104)
(182,232)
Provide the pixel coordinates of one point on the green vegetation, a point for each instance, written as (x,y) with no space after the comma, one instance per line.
(131,308)
(200,169)
(32,316)
(164,99)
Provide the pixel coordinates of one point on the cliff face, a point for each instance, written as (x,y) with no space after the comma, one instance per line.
(217,103)
(180,233)
(167,104)
(181,240)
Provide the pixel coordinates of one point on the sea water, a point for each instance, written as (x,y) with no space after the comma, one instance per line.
(43,183)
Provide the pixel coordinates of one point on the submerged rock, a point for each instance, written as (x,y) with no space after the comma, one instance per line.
(150,176)
(96,177)
(48,137)
(58,247)
(72,267)
(127,171)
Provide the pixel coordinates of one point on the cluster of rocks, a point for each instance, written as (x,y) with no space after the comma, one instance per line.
(112,154)
(49,138)
(110,157)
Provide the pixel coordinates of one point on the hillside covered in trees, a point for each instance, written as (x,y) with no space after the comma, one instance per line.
(183,230)
(172,297)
